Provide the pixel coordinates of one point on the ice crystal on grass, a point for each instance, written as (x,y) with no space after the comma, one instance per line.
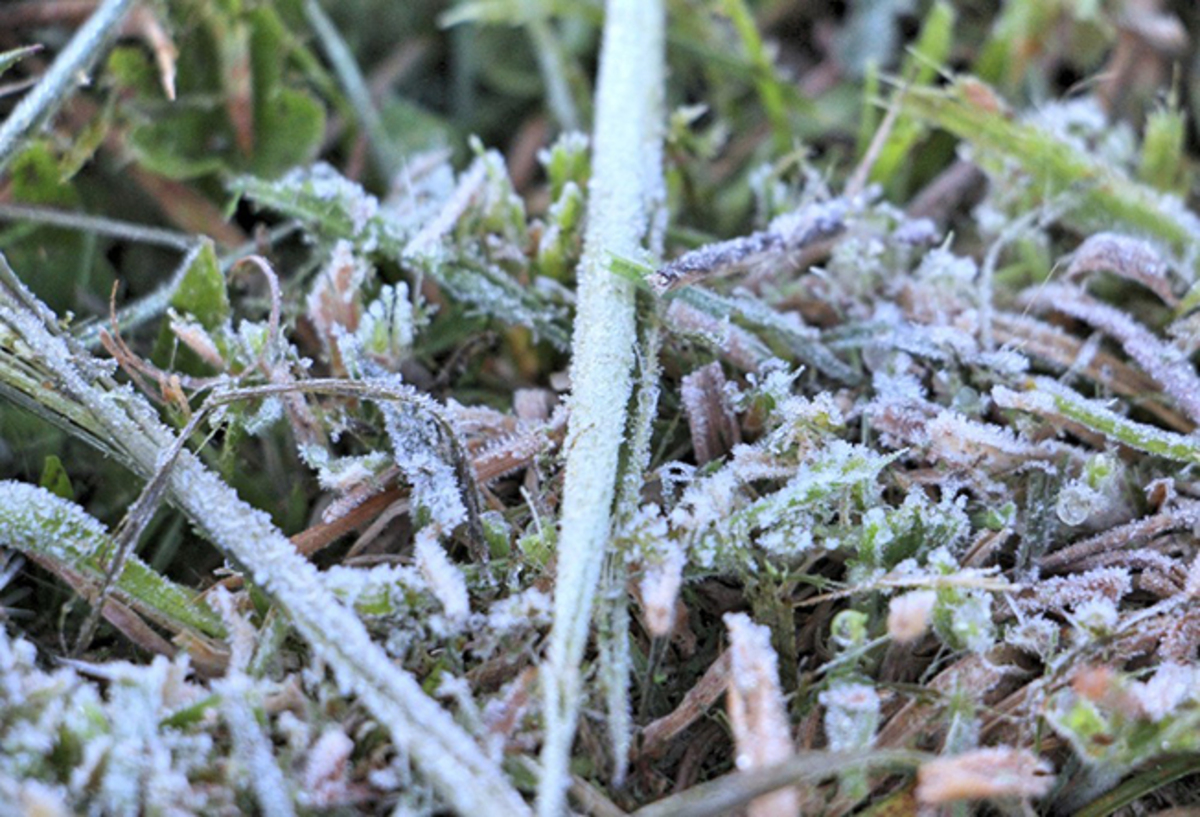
(1169,368)
(949,518)
(756,710)
(1130,258)
(444,579)
(851,715)
(1000,772)
(909,615)
(423,453)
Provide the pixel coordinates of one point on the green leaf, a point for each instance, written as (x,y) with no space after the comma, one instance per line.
(10,58)
(55,480)
(239,107)
(1163,165)
(1101,196)
(34,520)
(202,292)
(920,68)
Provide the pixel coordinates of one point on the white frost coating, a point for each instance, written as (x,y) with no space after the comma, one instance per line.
(622,190)
(660,588)
(251,747)
(441,749)
(32,518)
(851,715)
(1172,685)
(1166,364)
(325,773)
(463,775)
(445,579)
(908,615)
(757,713)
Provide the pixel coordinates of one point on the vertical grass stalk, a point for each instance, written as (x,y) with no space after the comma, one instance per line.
(623,188)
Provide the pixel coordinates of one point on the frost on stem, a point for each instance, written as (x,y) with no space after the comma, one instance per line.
(1166,364)
(130,425)
(1130,258)
(787,235)
(757,713)
(626,185)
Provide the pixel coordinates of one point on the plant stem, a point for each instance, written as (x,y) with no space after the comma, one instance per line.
(73,63)
(626,180)
(467,779)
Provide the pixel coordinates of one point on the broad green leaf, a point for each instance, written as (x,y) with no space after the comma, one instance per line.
(55,480)
(35,521)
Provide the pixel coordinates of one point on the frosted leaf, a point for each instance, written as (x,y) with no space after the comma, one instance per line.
(659,586)
(940,266)
(966,621)
(851,715)
(1096,616)
(959,441)
(418,447)
(909,614)
(342,474)
(61,527)
(445,580)
(1086,128)
(916,232)
(194,336)
(1051,399)
(1170,686)
(252,748)
(1163,362)
(757,714)
(386,330)
(521,610)
(325,779)
(380,590)
(889,536)
(1004,361)
(714,430)
(1001,772)
(336,296)
(706,501)
(1034,634)
(1060,593)
(787,234)
(324,184)
(1130,258)
(719,334)
(270,411)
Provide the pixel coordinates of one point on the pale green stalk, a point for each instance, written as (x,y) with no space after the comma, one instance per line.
(626,181)
(346,67)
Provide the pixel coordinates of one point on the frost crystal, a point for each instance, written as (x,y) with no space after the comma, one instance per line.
(996,772)
(445,579)
(851,715)
(325,772)
(757,713)
(1171,686)
(420,451)
(908,615)
(659,587)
